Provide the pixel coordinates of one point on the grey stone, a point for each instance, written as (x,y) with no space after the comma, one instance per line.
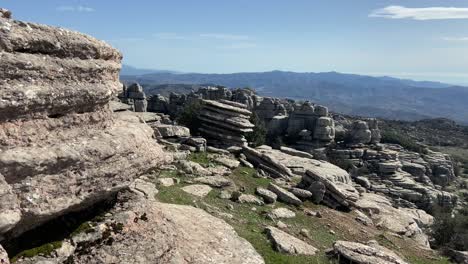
(284,195)
(200,190)
(268,196)
(250,199)
(285,243)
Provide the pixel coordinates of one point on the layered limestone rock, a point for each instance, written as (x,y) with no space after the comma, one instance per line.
(135,96)
(225,123)
(354,252)
(327,183)
(402,221)
(214,93)
(402,175)
(62,149)
(311,125)
(158,103)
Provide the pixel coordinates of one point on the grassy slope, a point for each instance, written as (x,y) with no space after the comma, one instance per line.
(250,224)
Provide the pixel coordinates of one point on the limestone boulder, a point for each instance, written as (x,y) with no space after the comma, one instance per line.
(142,231)
(365,254)
(285,243)
(62,148)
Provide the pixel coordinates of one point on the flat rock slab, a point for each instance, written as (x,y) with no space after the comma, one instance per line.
(361,253)
(268,196)
(285,243)
(214,181)
(200,190)
(284,195)
(168,234)
(166,182)
(230,163)
(250,199)
(282,213)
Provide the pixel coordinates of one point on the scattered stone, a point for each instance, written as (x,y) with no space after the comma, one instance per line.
(312,213)
(228,162)
(281,213)
(301,193)
(250,199)
(191,167)
(284,195)
(144,188)
(166,182)
(281,225)
(225,194)
(214,181)
(268,196)
(199,190)
(305,232)
(285,243)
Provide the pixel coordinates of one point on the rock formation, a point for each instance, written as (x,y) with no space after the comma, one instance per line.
(135,96)
(225,123)
(61,147)
(370,253)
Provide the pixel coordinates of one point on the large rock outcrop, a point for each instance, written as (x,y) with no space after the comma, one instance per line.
(62,149)
(225,123)
(152,232)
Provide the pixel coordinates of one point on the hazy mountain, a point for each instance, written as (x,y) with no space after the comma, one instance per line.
(385,97)
(130,70)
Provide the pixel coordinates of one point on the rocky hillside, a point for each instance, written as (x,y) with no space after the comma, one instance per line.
(383,97)
(94,171)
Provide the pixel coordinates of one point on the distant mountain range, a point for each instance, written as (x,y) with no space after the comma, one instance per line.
(384,97)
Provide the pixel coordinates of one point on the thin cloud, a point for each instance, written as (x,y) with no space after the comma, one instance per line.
(224,36)
(236,46)
(75,9)
(425,13)
(170,36)
(462,39)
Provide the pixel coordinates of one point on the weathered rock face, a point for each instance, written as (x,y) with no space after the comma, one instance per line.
(288,244)
(158,104)
(134,95)
(327,183)
(360,133)
(61,147)
(225,123)
(366,254)
(215,93)
(402,221)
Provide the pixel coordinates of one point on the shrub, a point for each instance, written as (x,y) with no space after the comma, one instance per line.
(258,136)
(189,116)
(451,230)
(392,137)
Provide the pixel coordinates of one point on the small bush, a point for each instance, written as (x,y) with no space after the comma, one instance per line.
(451,230)
(392,137)
(258,136)
(189,116)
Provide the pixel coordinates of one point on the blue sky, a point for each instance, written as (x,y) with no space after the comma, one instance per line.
(412,39)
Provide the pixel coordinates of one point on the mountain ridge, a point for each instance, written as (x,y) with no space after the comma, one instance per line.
(384,97)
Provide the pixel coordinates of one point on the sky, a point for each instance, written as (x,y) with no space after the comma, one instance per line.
(420,39)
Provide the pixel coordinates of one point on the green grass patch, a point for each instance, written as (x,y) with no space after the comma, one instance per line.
(422,260)
(202,158)
(250,224)
(85,227)
(44,250)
